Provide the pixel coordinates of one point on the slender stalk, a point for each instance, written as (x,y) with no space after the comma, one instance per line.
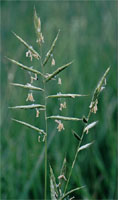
(92,106)
(46,127)
(76,154)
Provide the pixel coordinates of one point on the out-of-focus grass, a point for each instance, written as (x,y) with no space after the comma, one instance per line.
(88,35)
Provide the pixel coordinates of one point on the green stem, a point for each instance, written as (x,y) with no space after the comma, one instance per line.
(46,128)
(76,154)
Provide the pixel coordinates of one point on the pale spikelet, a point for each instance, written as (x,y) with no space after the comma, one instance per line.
(60,125)
(89,126)
(53,62)
(39,25)
(62,106)
(30,97)
(93,106)
(41,39)
(59,81)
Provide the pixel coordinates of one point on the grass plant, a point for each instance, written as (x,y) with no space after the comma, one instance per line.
(58,191)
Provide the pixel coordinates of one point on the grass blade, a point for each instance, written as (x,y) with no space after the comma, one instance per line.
(71,191)
(30,126)
(51,49)
(85,146)
(28,106)
(25,67)
(53,186)
(65,95)
(28,86)
(58,71)
(34,53)
(64,118)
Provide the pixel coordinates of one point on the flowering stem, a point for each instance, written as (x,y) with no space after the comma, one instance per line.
(46,127)
(76,154)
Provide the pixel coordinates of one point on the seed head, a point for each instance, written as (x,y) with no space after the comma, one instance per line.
(93,106)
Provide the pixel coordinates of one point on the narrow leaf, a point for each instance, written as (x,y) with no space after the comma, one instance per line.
(89,126)
(71,191)
(51,49)
(85,146)
(76,135)
(34,53)
(30,126)
(66,95)
(28,86)
(64,118)
(28,106)
(58,71)
(53,186)
(25,67)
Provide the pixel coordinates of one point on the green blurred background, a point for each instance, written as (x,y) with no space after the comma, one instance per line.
(88,36)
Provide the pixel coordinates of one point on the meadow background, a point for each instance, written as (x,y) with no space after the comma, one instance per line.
(88,36)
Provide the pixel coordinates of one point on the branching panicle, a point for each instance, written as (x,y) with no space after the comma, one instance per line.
(57,191)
